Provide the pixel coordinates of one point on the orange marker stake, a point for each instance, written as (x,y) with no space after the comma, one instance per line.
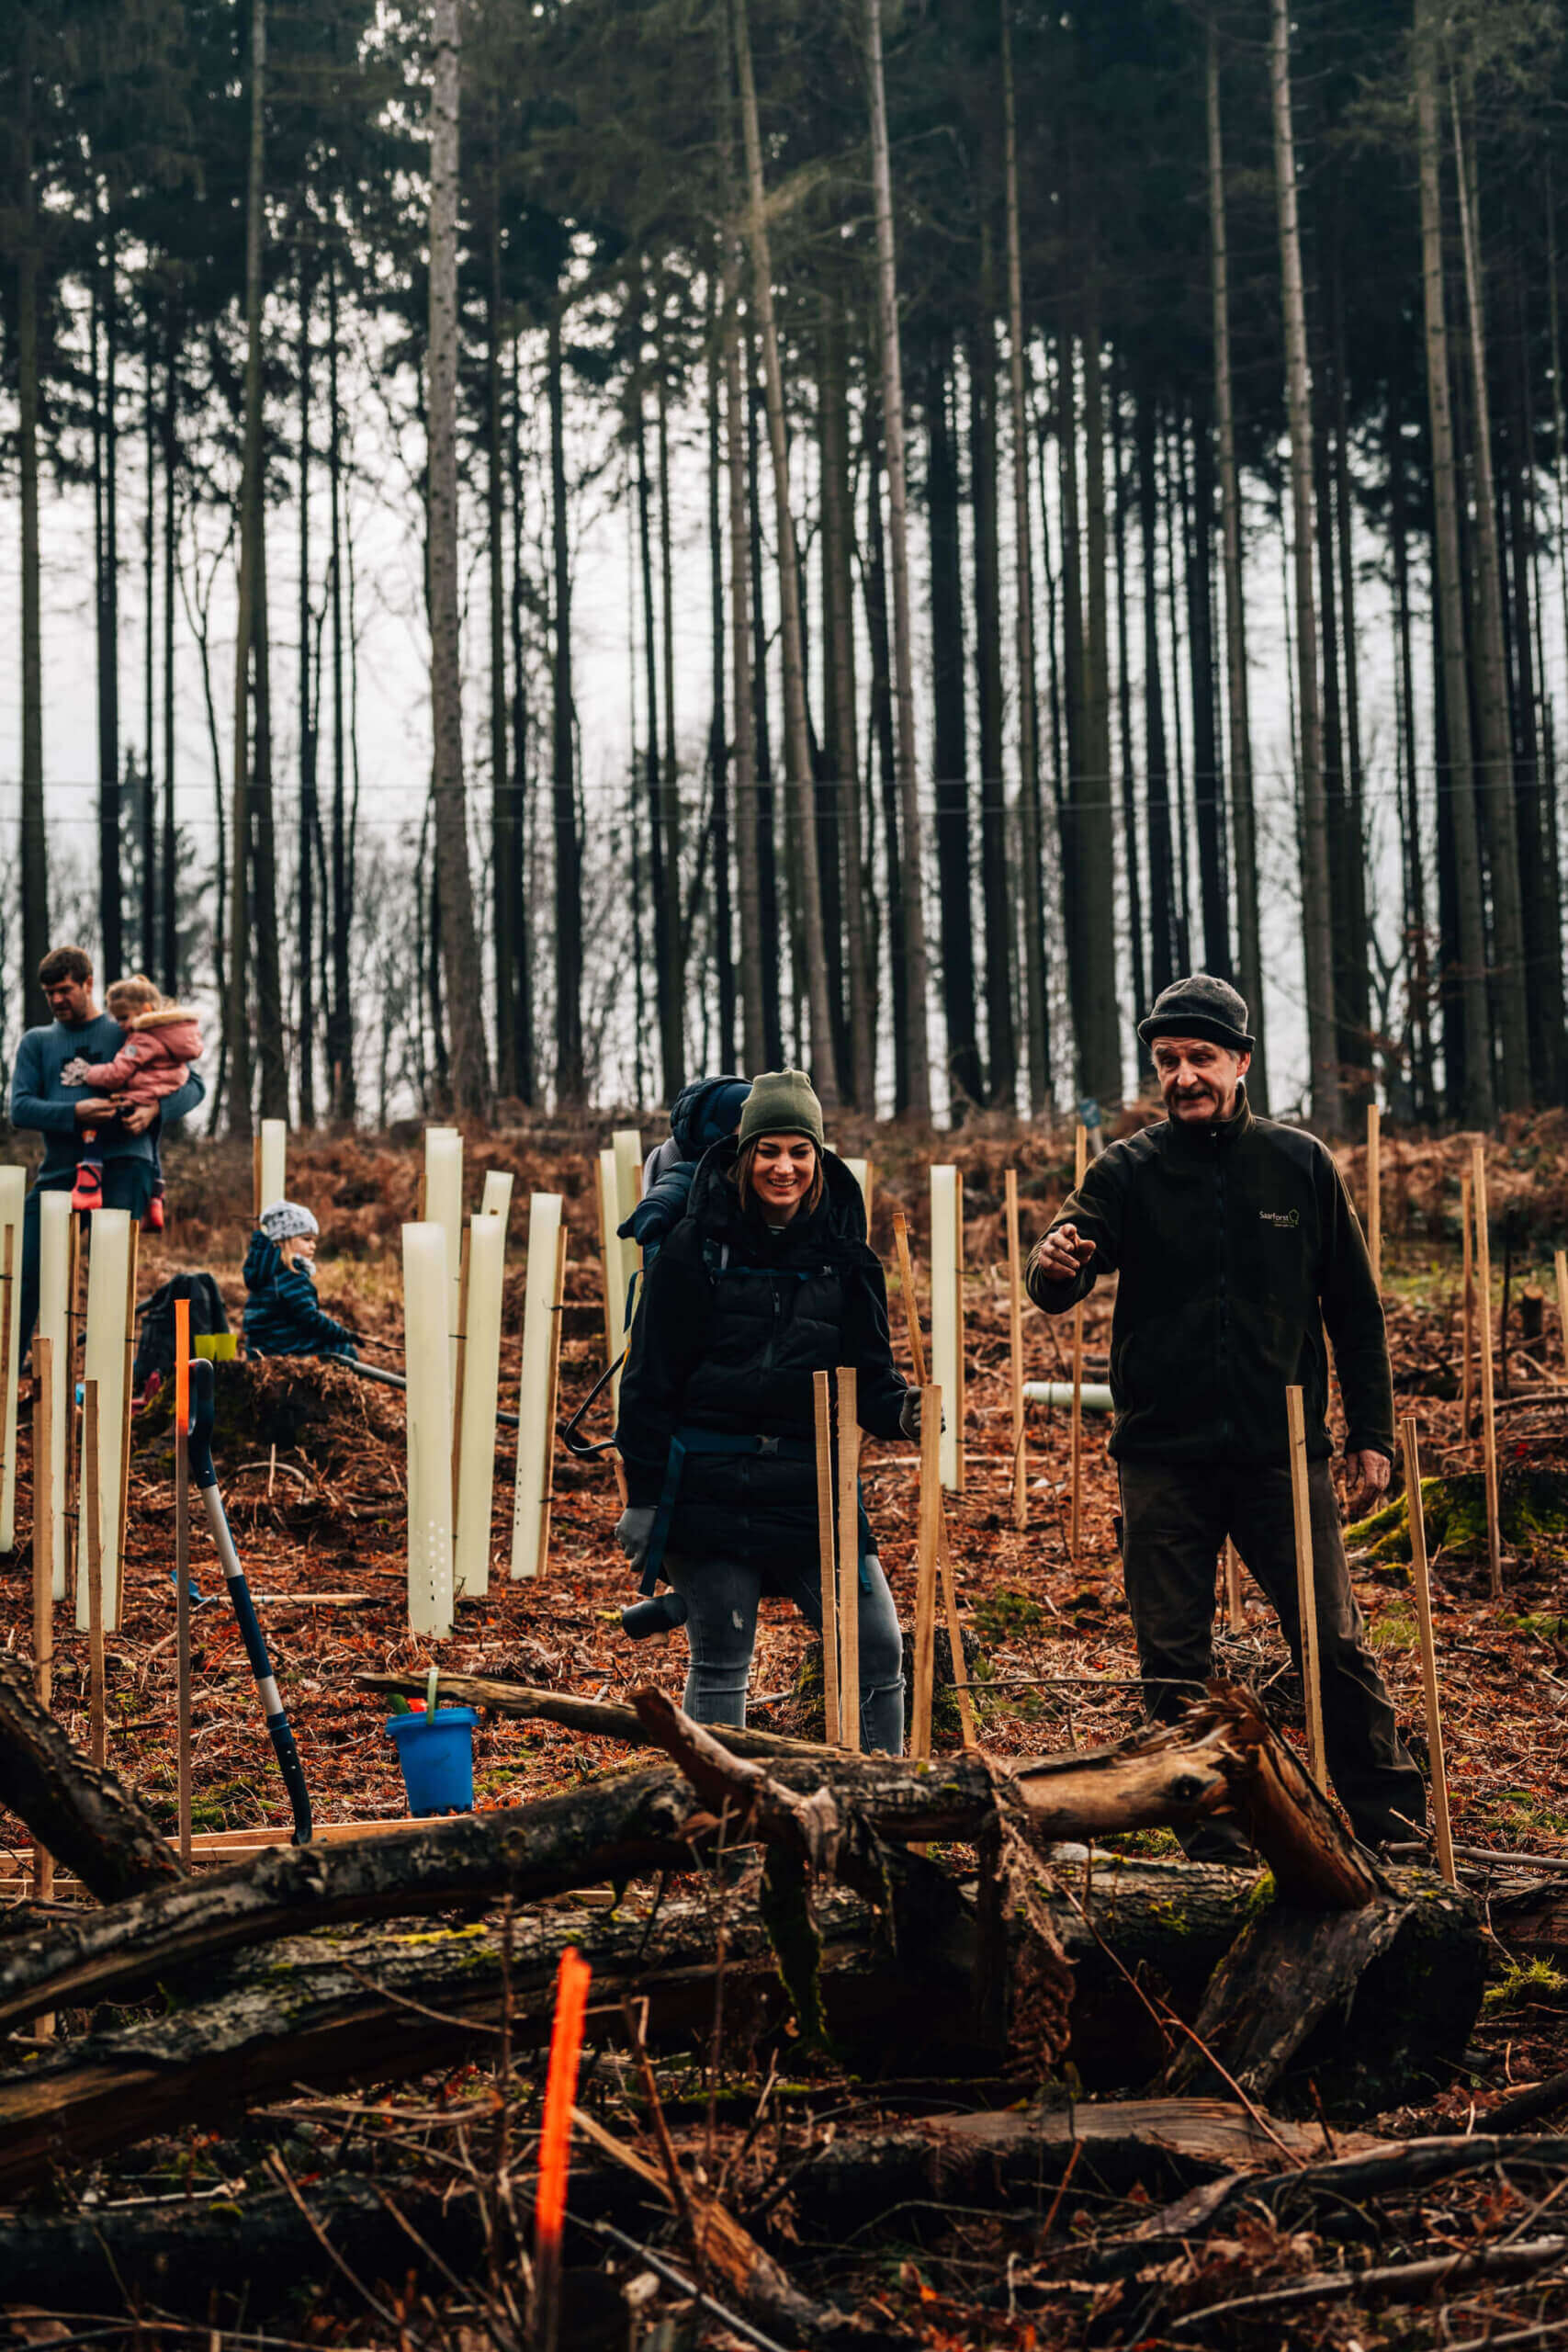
(555,2144)
(182,1563)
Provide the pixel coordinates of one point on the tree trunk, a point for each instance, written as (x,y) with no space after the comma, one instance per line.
(1208,781)
(251,527)
(1457,803)
(34,859)
(719,731)
(1357,1006)
(668,813)
(1249,952)
(839,621)
(1536,873)
(951,738)
(1035,1022)
(505,828)
(1423,1095)
(169,881)
(524,1066)
(876,584)
(1509,976)
(148,827)
(272,1055)
(1094,897)
(1316,911)
(753,1022)
(340,1016)
(1128,779)
(1162,871)
(797,745)
(995,895)
(107,438)
(570,1076)
(919,1103)
(668,1008)
(771,944)
(310,819)
(460,942)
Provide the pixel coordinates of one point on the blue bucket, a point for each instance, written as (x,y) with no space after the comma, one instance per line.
(436,1752)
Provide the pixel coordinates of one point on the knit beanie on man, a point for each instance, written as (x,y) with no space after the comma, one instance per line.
(781,1103)
(1200,1006)
(287,1221)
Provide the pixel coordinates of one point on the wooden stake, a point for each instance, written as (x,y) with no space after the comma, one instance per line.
(848,1558)
(1421,1578)
(926,1571)
(552,1390)
(1467,1310)
(7,1411)
(945,1554)
(1306,1586)
(43,1564)
(181,1565)
(459,1366)
(821,1397)
(1488,1399)
(126,1400)
(1561,1263)
(1015,1344)
(1374,1191)
(1075,1545)
(1235,1614)
(68,1436)
(98,1736)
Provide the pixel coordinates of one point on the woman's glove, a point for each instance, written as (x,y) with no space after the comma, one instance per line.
(909,1416)
(634,1530)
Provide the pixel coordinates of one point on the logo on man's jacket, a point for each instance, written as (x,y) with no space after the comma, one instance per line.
(1286,1217)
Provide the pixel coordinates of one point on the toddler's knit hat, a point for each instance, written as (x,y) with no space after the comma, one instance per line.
(287,1221)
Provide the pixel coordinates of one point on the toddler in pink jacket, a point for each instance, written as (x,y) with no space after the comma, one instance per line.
(161,1043)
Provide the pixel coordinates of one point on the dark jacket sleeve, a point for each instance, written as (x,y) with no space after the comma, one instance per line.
(30,1108)
(296,1293)
(181,1102)
(668,1335)
(1352,1316)
(880,1386)
(1096,1210)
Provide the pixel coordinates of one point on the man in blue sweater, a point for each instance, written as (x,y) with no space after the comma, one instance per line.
(127,1135)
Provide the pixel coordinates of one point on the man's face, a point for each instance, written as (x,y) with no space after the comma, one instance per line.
(71,1000)
(1197,1077)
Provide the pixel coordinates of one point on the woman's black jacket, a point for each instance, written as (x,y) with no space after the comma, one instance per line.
(733,1321)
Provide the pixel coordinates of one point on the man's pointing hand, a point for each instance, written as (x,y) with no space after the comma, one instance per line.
(1064,1254)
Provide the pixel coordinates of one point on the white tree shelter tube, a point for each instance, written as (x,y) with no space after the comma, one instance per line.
(273,1162)
(540,1338)
(13,1191)
(53,1301)
(426,1310)
(443,1206)
(108,1273)
(476,1436)
(496,1198)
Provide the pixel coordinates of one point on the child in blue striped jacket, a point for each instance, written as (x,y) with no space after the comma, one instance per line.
(282,1315)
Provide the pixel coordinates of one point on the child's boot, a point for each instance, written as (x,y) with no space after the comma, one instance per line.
(154,1220)
(88,1194)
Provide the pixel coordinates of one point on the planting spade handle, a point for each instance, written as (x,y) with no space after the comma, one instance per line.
(205,1476)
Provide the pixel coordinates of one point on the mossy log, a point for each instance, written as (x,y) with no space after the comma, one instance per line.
(1532,1505)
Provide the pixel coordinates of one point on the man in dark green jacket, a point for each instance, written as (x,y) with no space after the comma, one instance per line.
(1236,1245)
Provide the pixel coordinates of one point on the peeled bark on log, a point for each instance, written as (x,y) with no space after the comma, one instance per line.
(1290,1974)
(89,1821)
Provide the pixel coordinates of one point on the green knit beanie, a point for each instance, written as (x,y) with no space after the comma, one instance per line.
(781,1103)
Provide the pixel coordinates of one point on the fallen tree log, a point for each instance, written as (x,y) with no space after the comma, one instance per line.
(1280,1991)
(599,1718)
(88,1820)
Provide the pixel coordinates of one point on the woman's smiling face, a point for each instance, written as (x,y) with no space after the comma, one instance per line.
(782,1167)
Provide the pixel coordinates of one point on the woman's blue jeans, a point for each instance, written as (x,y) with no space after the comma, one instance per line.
(721,1598)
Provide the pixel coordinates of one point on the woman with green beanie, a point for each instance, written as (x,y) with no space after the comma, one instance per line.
(767,1281)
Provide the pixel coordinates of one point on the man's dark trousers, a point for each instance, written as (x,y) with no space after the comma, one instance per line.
(128,1184)
(1175,1517)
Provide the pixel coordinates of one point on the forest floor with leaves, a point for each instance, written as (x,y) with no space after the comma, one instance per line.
(315,1492)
